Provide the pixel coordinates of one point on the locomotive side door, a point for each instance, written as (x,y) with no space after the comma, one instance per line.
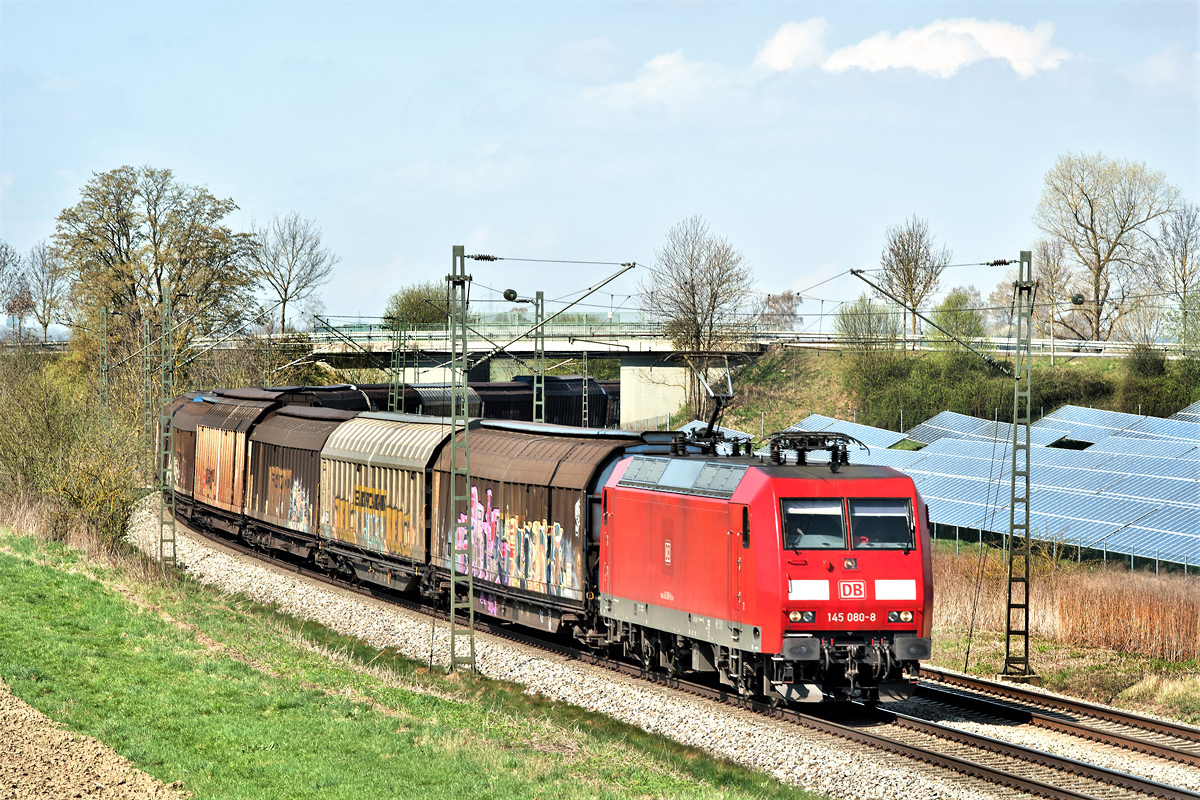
(739,543)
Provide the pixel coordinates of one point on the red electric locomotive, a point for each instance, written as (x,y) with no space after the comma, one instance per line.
(794,581)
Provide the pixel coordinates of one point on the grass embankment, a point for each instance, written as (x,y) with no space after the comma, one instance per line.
(1126,638)
(237,700)
(786,385)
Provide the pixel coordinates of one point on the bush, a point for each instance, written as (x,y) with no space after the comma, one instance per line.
(56,447)
(924,385)
(1145,361)
(1155,386)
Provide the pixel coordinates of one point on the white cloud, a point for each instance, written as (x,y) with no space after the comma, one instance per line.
(943,47)
(795,45)
(1167,66)
(677,87)
(668,82)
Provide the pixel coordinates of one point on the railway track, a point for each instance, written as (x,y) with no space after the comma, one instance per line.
(1024,769)
(1161,738)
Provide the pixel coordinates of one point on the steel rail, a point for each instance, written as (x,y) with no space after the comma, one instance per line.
(980,771)
(1059,763)
(1028,716)
(1016,692)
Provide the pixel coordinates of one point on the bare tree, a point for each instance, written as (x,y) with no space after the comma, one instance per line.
(290,260)
(866,326)
(1101,210)
(1174,259)
(700,287)
(912,264)
(1144,323)
(781,311)
(19,303)
(48,285)
(11,267)
(1054,314)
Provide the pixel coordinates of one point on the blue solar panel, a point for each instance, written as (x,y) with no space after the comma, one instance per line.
(1087,424)
(1094,498)
(1189,414)
(948,424)
(899,459)
(1122,444)
(1137,488)
(813,422)
(1170,429)
(872,437)
(952,425)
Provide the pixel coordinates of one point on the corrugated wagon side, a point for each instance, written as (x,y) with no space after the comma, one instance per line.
(530,502)
(284,475)
(374,493)
(220,476)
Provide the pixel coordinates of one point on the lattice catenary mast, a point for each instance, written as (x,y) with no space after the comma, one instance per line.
(1017,666)
(166,438)
(539,356)
(462,583)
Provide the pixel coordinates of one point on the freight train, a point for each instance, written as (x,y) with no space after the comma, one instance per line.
(784,580)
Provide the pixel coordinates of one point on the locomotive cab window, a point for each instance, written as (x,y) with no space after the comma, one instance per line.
(881,524)
(813,525)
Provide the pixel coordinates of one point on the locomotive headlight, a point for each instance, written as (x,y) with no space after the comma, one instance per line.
(794,616)
(906,616)
(900,616)
(802,616)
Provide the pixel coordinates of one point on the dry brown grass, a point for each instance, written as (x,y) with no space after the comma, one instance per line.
(55,522)
(1075,605)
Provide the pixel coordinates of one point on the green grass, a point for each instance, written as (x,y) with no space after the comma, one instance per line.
(238,700)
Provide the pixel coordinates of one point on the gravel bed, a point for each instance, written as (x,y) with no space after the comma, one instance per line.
(1052,695)
(1060,744)
(791,754)
(38,759)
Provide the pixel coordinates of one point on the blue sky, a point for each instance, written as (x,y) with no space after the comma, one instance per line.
(800,131)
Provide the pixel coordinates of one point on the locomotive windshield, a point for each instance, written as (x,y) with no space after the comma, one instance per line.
(881,524)
(813,524)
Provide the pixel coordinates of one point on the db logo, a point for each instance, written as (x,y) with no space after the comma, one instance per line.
(852,590)
(667,551)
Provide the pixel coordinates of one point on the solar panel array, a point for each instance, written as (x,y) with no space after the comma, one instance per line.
(1136,490)
(952,425)
(1189,414)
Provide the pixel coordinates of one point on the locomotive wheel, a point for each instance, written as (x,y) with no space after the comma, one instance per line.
(648,653)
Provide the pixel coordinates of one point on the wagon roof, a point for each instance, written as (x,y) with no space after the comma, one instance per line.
(286,430)
(233,415)
(565,463)
(188,413)
(390,440)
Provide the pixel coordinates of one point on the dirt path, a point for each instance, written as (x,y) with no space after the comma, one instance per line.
(38,759)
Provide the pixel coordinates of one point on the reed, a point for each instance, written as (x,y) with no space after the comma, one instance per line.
(1074,605)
